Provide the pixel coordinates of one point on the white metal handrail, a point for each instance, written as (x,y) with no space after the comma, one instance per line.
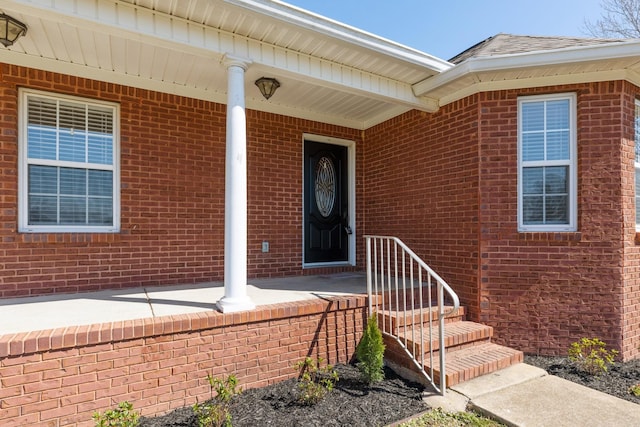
(405,284)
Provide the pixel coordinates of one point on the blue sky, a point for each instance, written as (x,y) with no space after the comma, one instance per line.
(444,28)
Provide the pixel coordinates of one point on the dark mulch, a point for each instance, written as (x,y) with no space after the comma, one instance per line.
(351,403)
(617,381)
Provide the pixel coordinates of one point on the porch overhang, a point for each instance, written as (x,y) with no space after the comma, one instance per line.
(329,72)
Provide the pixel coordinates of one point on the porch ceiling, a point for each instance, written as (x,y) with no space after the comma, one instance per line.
(328,72)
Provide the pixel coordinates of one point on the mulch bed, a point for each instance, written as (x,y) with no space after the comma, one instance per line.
(353,403)
(350,403)
(616,382)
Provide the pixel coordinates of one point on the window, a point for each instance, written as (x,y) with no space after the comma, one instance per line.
(637,164)
(547,189)
(68,164)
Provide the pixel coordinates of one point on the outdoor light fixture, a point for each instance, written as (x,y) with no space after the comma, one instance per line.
(267,86)
(10,29)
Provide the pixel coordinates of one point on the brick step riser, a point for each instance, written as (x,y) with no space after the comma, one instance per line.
(488,359)
(459,375)
(392,325)
(453,348)
(454,342)
(395,354)
(409,298)
(397,318)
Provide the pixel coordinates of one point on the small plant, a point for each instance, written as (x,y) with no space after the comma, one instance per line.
(370,352)
(315,382)
(438,417)
(591,355)
(122,416)
(635,390)
(217,411)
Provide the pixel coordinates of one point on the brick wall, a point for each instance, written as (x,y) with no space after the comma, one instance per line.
(542,291)
(443,182)
(422,186)
(631,267)
(446,183)
(275,194)
(172,194)
(60,377)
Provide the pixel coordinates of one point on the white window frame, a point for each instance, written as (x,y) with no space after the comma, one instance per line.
(23,178)
(571,163)
(636,158)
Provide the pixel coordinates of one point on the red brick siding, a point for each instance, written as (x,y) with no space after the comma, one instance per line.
(443,182)
(447,184)
(60,377)
(631,268)
(275,192)
(172,194)
(542,291)
(422,186)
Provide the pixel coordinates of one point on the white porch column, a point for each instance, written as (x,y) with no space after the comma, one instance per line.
(235,214)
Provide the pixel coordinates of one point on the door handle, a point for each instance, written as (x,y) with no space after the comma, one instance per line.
(345,222)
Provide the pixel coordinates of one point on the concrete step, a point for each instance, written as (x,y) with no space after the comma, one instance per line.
(474,361)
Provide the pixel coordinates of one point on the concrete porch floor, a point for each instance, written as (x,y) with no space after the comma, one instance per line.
(56,311)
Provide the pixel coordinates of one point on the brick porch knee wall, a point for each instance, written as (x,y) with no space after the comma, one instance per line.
(60,377)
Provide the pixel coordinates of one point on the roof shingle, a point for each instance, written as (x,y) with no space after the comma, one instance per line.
(504,44)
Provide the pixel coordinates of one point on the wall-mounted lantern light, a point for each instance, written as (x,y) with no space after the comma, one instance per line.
(267,86)
(10,29)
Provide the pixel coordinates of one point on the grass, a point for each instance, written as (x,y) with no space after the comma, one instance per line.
(439,418)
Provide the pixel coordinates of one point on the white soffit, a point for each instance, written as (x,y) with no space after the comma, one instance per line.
(611,61)
(329,72)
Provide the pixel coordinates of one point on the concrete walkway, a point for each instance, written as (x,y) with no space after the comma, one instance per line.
(524,395)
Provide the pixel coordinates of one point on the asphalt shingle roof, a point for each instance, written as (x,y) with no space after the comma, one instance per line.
(504,44)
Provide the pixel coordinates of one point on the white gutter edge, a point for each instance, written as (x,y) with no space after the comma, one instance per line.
(311,21)
(530,60)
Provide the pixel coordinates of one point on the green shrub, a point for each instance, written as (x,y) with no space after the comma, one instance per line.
(122,416)
(635,390)
(370,352)
(314,381)
(591,355)
(217,411)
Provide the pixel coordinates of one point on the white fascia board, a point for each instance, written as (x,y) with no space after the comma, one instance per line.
(336,76)
(308,20)
(556,80)
(147,26)
(547,58)
(633,77)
